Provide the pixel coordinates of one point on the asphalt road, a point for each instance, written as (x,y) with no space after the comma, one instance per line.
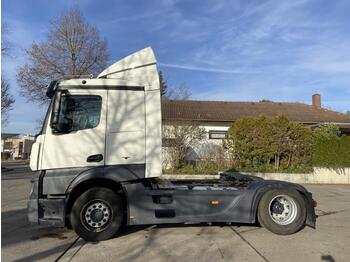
(329,242)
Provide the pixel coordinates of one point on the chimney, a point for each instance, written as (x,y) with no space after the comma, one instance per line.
(316,100)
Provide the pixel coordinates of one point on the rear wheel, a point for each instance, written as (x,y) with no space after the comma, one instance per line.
(282,211)
(97,214)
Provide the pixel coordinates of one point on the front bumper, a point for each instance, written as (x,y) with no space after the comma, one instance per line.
(45,210)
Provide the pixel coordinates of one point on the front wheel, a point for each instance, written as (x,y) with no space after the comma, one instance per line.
(97,214)
(282,211)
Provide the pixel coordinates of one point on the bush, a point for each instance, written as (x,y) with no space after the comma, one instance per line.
(331,149)
(328,131)
(265,144)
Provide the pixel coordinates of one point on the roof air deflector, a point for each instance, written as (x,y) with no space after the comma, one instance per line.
(142,58)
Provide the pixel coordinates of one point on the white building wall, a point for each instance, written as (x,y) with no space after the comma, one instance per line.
(21,146)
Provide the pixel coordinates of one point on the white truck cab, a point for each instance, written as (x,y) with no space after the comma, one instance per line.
(112,120)
(97,163)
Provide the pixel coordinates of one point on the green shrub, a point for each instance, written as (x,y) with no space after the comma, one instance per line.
(266,144)
(328,131)
(330,149)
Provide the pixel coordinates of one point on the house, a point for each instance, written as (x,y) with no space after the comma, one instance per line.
(15,146)
(217,116)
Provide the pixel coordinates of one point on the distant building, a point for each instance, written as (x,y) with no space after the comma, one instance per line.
(15,146)
(217,116)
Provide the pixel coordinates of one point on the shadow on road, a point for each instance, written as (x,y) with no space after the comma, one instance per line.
(153,233)
(327,258)
(16,231)
(44,254)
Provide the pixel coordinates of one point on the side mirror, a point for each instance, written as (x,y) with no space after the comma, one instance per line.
(55,114)
(52,89)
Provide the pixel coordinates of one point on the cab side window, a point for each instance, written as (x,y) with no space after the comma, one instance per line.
(78,112)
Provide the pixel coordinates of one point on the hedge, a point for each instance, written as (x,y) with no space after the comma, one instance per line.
(267,144)
(331,149)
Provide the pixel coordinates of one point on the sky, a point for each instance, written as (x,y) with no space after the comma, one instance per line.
(244,50)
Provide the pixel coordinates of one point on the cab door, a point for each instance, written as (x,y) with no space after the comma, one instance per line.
(80,141)
(126,138)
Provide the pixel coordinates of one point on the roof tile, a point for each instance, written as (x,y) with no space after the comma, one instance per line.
(220,111)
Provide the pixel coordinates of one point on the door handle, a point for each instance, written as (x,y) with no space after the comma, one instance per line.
(95,158)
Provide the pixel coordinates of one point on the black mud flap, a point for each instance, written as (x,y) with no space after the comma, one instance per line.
(311,215)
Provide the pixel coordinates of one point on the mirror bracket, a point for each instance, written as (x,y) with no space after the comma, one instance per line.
(56,111)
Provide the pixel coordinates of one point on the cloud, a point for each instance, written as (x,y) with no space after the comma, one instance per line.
(137,17)
(328,67)
(232,50)
(205,69)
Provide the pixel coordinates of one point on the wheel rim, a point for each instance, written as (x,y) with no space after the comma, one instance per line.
(283,209)
(96,215)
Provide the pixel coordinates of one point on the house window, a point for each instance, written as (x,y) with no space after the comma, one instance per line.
(215,134)
(7,145)
(20,148)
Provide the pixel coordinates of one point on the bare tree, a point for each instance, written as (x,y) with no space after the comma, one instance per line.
(179,138)
(7,99)
(73,48)
(180,92)
(213,155)
(5,44)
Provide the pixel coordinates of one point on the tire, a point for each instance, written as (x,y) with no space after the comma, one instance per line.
(282,211)
(97,214)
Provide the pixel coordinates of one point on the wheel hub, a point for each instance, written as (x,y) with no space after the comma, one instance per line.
(283,209)
(277,208)
(97,214)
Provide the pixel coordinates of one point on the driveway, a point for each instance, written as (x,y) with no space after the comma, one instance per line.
(329,242)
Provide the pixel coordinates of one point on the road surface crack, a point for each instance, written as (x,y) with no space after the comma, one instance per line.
(221,254)
(69,247)
(76,252)
(249,244)
(325,213)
